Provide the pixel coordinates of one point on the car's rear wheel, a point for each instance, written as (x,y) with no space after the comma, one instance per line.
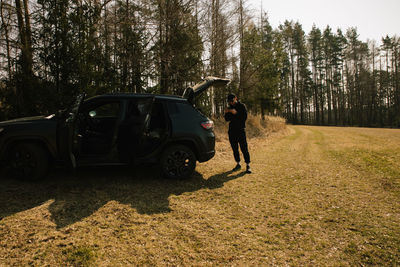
(28,161)
(178,162)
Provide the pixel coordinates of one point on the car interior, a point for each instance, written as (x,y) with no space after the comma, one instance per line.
(158,129)
(141,133)
(98,127)
(104,130)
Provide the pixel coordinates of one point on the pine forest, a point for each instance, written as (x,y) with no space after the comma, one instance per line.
(53,50)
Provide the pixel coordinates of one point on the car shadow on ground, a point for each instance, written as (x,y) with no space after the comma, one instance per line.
(75,197)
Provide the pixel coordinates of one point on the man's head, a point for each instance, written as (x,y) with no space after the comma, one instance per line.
(232,99)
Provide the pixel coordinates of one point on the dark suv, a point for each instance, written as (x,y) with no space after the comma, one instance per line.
(113,129)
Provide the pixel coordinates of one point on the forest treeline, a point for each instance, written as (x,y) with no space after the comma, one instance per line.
(52,50)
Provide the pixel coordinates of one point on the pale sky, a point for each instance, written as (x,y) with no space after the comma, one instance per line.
(373,18)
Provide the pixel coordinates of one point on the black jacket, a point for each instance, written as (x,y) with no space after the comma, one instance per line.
(237,121)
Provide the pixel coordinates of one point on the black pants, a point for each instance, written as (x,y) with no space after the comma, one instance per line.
(236,138)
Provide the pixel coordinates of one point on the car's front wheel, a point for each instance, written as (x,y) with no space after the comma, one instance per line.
(28,161)
(178,162)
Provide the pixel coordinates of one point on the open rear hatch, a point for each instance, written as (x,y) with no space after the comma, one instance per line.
(190,93)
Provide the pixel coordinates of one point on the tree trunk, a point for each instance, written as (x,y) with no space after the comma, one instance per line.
(28,30)
(241,58)
(294,107)
(316,104)
(321,99)
(7,39)
(24,33)
(329,93)
(25,105)
(396,77)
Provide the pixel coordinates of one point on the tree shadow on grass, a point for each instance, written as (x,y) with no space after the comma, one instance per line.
(76,197)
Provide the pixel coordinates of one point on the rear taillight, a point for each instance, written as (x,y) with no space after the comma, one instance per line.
(208,125)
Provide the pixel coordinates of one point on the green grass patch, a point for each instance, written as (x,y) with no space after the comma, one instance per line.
(376,164)
(79,256)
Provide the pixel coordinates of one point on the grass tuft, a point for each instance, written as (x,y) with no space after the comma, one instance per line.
(79,256)
(255,126)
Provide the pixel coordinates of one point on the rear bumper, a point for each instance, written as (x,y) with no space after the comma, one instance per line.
(206,156)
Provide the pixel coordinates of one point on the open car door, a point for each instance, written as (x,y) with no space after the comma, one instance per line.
(134,128)
(191,92)
(67,137)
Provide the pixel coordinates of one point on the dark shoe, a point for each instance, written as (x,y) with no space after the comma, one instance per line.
(237,167)
(248,170)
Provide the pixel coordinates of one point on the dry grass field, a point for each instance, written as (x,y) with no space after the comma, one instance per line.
(325,196)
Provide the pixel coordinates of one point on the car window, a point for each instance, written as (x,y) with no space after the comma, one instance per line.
(139,107)
(106,110)
(142,106)
(178,107)
(181,108)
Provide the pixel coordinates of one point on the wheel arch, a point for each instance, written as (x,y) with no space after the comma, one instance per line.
(185,142)
(10,143)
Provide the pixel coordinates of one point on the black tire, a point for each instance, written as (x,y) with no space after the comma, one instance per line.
(28,161)
(178,162)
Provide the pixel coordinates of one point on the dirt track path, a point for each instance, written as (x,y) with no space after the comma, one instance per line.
(331,193)
(326,196)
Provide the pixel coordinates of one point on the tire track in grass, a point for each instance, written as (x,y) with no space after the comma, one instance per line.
(368,210)
(292,204)
(324,205)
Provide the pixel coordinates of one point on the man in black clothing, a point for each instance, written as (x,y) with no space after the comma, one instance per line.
(236,114)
